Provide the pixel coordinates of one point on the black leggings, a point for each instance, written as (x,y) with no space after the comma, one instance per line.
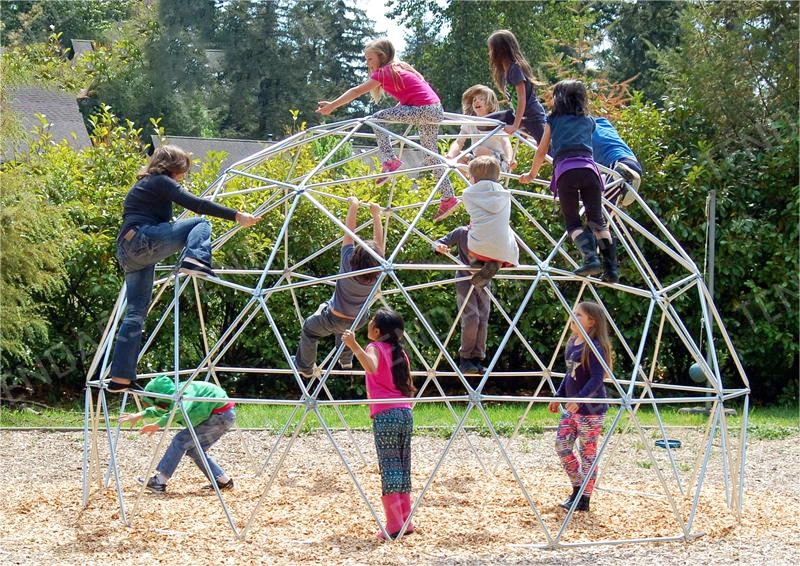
(583,183)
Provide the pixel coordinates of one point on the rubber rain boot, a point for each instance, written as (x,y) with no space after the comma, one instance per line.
(393,508)
(587,245)
(608,250)
(405,499)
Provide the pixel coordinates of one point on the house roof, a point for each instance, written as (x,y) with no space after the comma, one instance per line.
(199,147)
(64,119)
(81,46)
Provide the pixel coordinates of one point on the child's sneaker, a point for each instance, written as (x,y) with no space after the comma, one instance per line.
(633,178)
(221,486)
(468,367)
(345,365)
(484,275)
(446,208)
(153,484)
(388,167)
(304,374)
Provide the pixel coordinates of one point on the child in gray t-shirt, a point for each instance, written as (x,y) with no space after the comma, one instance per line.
(340,312)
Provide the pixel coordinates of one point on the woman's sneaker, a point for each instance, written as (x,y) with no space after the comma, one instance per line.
(388,167)
(195,269)
(221,486)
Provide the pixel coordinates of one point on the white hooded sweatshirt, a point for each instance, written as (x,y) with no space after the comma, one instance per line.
(489,206)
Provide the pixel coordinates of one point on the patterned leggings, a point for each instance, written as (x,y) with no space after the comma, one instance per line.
(392,431)
(427,119)
(587,429)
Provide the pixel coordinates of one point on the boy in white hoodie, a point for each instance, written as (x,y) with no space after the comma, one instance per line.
(491,243)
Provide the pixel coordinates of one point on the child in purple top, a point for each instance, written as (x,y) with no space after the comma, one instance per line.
(582,421)
(510,68)
(388,376)
(576,178)
(417,104)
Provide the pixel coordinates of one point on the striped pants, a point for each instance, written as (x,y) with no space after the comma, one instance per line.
(392,431)
(586,429)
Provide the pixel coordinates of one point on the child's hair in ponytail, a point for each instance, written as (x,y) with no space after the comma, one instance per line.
(391,326)
(384,49)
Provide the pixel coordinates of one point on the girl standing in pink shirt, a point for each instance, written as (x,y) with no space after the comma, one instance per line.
(388,376)
(417,104)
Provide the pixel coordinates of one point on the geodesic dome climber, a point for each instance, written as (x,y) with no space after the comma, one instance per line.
(300,186)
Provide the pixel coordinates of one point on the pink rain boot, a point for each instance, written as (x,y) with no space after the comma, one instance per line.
(405,499)
(393,507)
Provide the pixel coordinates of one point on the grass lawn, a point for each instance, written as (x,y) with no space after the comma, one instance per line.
(429,418)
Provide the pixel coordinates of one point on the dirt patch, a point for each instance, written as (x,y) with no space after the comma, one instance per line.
(309,510)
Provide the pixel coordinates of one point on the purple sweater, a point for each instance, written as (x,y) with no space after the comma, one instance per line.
(581,381)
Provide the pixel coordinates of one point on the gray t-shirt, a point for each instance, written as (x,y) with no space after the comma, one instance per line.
(350,294)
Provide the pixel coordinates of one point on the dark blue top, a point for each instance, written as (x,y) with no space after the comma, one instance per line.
(534,111)
(150,200)
(570,136)
(581,381)
(458,237)
(607,146)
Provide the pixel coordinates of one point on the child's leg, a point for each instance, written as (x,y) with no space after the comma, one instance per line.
(428,134)
(469,320)
(565,441)
(589,429)
(483,305)
(392,431)
(315,327)
(208,432)
(592,197)
(346,358)
(175,451)
(399,113)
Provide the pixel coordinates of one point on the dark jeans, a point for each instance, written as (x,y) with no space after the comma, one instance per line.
(536,129)
(319,325)
(138,257)
(474,320)
(577,185)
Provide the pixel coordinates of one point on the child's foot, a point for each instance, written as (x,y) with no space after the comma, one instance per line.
(446,208)
(153,484)
(478,364)
(189,267)
(484,275)
(120,387)
(221,486)
(633,178)
(305,374)
(468,367)
(388,167)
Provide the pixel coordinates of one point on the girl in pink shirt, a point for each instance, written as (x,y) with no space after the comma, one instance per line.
(388,376)
(417,104)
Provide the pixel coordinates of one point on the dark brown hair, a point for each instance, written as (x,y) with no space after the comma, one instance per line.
(598,331)
(504,50)
(391,326)
(167,160)
(362,259)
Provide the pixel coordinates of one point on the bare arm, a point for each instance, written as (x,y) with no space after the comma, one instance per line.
(377,227)
(350,220)
(367,359)
(538,159)
(325,107)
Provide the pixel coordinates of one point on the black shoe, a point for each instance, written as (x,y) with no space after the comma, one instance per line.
(568,502)
(221,486)
(477,363)
(485,274)
(195,269)
(153,484)
(467,367)
(583,504)
(116,387)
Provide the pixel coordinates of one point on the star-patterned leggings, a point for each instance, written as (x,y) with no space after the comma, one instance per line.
(392,431)
(586,429)
(427,119)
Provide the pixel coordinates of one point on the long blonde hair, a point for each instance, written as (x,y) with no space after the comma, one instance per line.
(476,91)
(384,49)
(504,50)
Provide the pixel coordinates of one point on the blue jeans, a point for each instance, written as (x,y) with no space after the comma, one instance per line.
(319,325)
(138,258)
(208,432)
